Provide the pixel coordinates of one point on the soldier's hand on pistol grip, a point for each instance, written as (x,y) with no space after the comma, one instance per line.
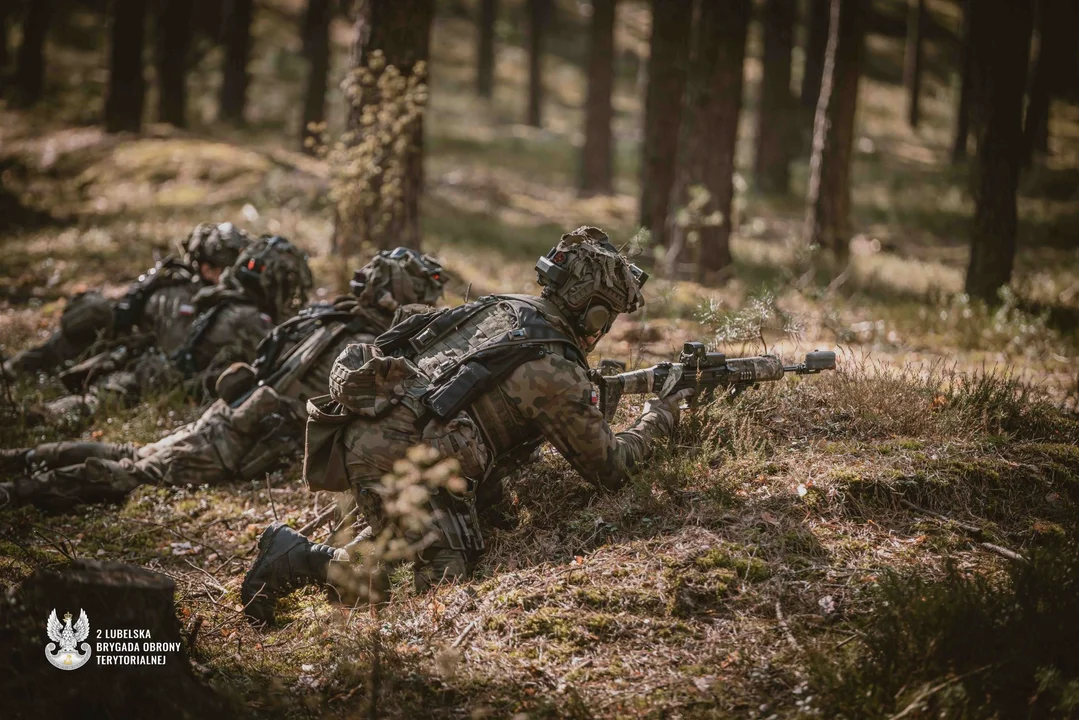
(671,404)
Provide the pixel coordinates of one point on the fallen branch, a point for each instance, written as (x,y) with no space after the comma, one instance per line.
(319,519)
(786,628)
(464,634)
(972,529)
(1003,552)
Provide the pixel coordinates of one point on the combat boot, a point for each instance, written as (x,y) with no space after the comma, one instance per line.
(286,561)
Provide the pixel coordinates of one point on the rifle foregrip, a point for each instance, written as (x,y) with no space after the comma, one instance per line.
(765,368)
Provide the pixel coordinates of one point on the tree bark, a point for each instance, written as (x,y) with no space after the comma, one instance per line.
(1050,75)
(775,129)
(1000,34)
(816,41)
(596,157)
(710,133)
(173,43)
(6,9)
(485,50)
(667,66)
(316,46)
(30,64)
(827,223)
(401,30)
(113,596)
(912,64)
(539,14)
(237,41)
(127,87)
(962,112)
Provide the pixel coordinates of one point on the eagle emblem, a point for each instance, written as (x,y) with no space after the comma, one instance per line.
(62,652)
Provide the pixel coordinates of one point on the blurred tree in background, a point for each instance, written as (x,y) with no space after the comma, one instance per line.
(1000,42)
(709,134)
(173,46)
(378,166)
(485,48)
(30,68)
(316,48)
(237,41)
(539,22)
(776,117)
(827,223)
(596,158)
(127,87)
(912,60)
(667,66)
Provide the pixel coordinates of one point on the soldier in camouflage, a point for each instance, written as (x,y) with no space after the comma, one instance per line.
(193,343)
(259,419)
(174,281)
(484,383)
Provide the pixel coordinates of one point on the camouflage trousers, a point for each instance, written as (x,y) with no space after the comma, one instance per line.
(86,318)
(225,444)
(372,447)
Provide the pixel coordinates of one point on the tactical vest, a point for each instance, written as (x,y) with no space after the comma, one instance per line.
(468,350)
(128,310)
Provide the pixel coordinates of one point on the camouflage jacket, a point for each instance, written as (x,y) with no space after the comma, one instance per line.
(545,396)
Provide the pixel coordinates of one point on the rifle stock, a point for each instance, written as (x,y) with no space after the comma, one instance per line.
(704,372)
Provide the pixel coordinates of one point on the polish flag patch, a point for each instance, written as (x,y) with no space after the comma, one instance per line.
(595,397)
(187,310)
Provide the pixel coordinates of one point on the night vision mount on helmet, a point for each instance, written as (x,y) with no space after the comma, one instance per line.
(589,280)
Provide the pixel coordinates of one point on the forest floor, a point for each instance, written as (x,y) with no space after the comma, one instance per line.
(740,573)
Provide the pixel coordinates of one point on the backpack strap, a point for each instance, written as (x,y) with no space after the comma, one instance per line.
(184,357)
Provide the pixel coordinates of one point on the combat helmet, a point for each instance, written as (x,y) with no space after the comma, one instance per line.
(398,277)
(275,273)
(589,281)
(216,244)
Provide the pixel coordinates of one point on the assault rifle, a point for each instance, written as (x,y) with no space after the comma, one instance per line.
(703,371)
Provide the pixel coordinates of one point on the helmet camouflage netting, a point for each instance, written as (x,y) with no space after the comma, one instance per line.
(398,277)
(585,269)
(277,272)
(217,244)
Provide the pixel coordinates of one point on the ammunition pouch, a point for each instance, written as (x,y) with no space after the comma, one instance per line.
(325,465)
(369,384)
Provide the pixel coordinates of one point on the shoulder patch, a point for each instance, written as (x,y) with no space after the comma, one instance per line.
(186,309)
(595,397)
(266,318)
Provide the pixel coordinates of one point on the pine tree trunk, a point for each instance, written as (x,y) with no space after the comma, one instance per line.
(912,64)
(485,51)
(667,65)
(596,157)
(827,223)
(173,43)
(237,41)
(127,88)
(539,14)
(962,112)
(713,100)
(1000,35)
(402,31)
(776,136)
(816,41)
(316,46)
(30,67)
(1050,74)
(6,9)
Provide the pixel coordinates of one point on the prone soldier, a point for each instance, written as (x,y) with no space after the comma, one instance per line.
(196,342)
(172,282)
(484,383)
(259,419)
